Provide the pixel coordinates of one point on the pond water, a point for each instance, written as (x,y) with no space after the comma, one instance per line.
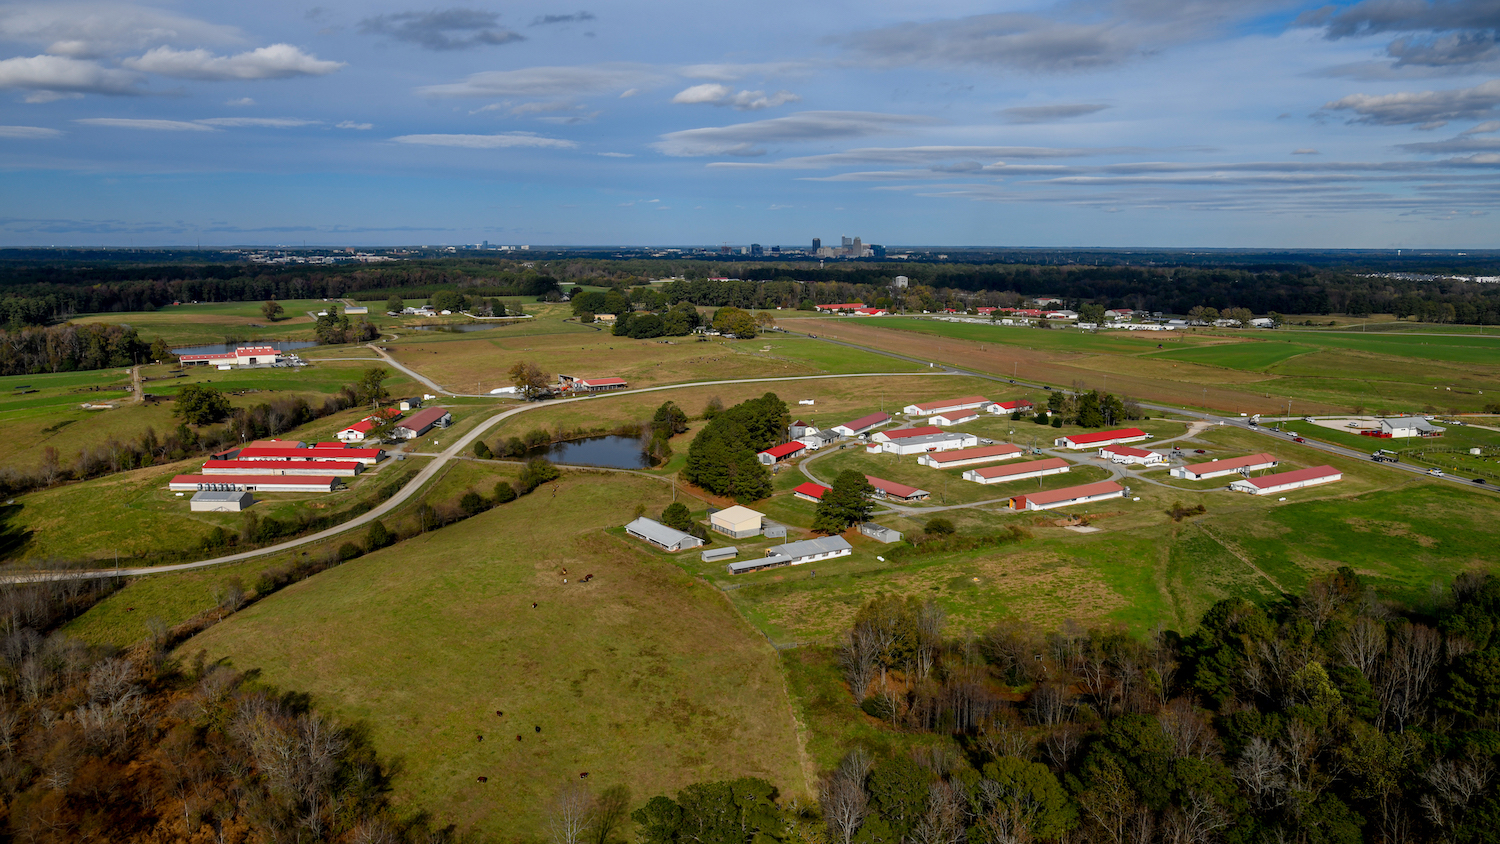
(610,452)
(221,348)
(457,328)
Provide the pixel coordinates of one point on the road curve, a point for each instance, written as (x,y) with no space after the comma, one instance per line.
(415,484)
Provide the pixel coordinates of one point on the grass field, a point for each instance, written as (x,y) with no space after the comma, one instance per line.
(641,677)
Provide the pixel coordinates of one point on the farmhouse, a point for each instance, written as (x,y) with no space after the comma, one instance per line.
(336,468)
(1017,471)
(958,418)
(970,456)
(945,406)
(1410,426)
(891,489)
(367,456)
(602,384)
(422,422)
(924,443)
(220,502)
(1086,494)
(796,553)
(862,425)
(1283,481)
(810,492)
(781,452)
(1020,405)
(242,356)
(1220,468)
(738,522)
(1102,438)
(253,483)
(663,537)
(846,307)
(1131,456)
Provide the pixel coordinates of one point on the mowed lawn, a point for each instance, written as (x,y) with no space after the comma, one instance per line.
(642,677)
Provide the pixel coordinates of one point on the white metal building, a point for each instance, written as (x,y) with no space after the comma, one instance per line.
(209,501)
(1220,468)
(945,406)
(1283,481)
(1131,456)
(970,456)
(663,537)
(923,443)
(797,553)
(1017,471)
(738,522)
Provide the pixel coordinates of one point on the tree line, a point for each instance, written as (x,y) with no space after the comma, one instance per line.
(721,457)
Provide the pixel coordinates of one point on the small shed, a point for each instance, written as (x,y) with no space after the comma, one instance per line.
(712,555)
(773,530)
(880,534)
(220,502)
(737,522)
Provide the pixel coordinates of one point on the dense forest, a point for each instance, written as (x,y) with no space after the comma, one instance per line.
(37,291)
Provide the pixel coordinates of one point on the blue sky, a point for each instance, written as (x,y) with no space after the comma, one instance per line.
(1220,123)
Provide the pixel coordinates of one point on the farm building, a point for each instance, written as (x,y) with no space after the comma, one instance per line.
(1100,439)
(781,452)
(423,421)
(862,425)
(904,433)
(242,356)
(714,555)
(1017,471)
(336,468)
(799,429)
(209,501)
(253,483)
(357,432)
(1086,494)
(817,440)
(893,490)
(948,406)
(845,307)
(1283,481)
(810,492)
(412,403)
(970,456)
(948,420)
(880,534)
(1410,426)
(738,522)
(924,443)
(1220,468)
(797,553)
(602,384)
(367,456)
(663,537)
(1131,456)
(1021,405)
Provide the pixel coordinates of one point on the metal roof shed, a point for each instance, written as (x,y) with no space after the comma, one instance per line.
(712,555)
(220,502)
(663,537)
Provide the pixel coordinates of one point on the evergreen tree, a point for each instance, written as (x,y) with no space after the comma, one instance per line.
(847,503)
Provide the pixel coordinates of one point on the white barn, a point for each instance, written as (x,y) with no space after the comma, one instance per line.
(1283,481)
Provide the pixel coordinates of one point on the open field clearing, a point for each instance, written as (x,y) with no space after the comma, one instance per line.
(1255,356)
(211,322)
(641,677)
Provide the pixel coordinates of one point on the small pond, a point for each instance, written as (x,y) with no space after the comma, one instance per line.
(610,452)
(222,348)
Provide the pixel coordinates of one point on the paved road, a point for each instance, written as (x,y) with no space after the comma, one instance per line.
(415,484)
(1236,421)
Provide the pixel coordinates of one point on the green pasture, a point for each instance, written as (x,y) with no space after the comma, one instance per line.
(641,677)
(1066,339)
(1254,356)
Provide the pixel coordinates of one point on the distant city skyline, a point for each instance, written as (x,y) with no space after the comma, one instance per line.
(1100,123)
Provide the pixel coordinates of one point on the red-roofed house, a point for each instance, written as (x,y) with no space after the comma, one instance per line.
(1073,495)
(243,356)
(1102,438)
(945,406)
(811,492)
(1017,471)
(780,452)
(871,311)
(891,489)
(1010,406)
(1131,456)
(1283,481)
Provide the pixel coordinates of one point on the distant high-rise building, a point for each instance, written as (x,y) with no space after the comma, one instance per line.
(878,251)
(775,250)
(756,251)
(817,243)
(847,243)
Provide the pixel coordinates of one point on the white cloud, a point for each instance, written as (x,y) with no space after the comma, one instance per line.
(242,101)
(1305,151)
(501,141)
(152,125)
(627,94)
(52,77)
(1483,128)
(618,154)
(1050,113)
(550,82)
(278,61)
(706,93)
(923,156)
(93,30)
(350,124)
(745,139)
(269,122)
(713,93)
(1425,109)
(28,132)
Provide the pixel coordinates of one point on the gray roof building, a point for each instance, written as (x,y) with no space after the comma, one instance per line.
(658,534)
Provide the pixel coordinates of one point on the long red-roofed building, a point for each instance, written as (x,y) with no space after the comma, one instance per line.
(811,491)
(1099,439)
(891,489)
(1017,471)
(1283,481)
(367,456)
(779,453)
(1069,496)
(862,425)
(970,456)
(929,408)
(336,468)
(253,483)
(1220,468)
(905,433)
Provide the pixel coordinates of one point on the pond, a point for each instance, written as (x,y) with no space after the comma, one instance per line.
(457,327)
(611,452)
(223,348)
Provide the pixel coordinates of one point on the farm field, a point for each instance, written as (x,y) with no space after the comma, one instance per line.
(621,689)
(211,322)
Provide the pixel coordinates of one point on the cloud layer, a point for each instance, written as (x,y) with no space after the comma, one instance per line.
(448,29)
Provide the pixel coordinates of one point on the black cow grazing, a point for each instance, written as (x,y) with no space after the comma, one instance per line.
(539,729)
(498,712)
(484,779)
(481,738)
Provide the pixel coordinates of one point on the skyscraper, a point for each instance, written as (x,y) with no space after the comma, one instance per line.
(817,243)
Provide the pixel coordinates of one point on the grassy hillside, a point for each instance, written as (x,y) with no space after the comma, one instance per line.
(641,677)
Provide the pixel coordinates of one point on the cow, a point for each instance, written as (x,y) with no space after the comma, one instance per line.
(587,578)
(484,779)
(539,729)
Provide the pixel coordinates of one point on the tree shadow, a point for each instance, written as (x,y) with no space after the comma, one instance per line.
(14,538)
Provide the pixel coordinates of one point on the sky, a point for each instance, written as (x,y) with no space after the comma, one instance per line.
(1113,123)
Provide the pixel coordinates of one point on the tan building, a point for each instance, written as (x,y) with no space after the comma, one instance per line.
(738,522)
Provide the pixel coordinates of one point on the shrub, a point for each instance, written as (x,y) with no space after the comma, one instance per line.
(876,706)
(1180,511)
(538,470)
(472,503)
(677,516)
(504,493)
(939,526)
(349,551)
(378,536)
(1057,421)
(1040,418)
(482,451)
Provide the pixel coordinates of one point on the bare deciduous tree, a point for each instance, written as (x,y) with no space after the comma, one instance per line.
(842,796)
(1406,675)
(857,656)
(570,814)
(1002,734)
(1259,772)
(1190,733)
(1361,646)
(946,818)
